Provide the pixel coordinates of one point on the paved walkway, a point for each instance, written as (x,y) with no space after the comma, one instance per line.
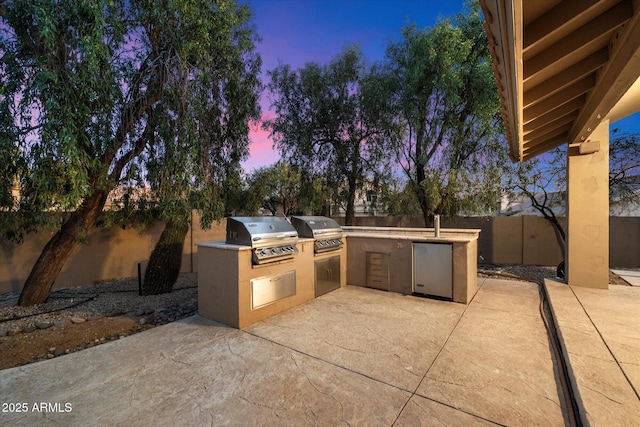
(354,356)
(599,330)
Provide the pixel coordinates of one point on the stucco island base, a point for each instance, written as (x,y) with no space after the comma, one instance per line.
(225,271)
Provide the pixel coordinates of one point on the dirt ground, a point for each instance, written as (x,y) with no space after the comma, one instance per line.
(57,340)
(73,319)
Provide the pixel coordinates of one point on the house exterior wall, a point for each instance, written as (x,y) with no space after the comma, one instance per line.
(521,206)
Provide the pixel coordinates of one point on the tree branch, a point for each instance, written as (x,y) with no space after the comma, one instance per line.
(138,147)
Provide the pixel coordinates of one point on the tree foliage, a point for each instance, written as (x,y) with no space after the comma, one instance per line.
(330,121)
(624,168)
(275,188)
(283,188)
(212,93)
(88,87)
(448,124)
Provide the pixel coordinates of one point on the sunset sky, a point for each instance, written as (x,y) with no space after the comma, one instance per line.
(298,31)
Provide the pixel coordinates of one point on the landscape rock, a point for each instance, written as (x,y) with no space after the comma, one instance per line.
(78,319)
(173,313)
(29,328)
(14,332)
(44,325)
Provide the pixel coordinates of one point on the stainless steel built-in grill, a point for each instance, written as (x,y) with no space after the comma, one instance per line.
(326,232)
(272,238)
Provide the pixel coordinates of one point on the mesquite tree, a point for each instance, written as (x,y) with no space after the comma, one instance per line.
(86,87)
(445,96)
(330,120)
(275,188)
(212,94)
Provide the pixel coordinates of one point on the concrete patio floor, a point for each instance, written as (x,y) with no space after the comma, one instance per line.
(355,356)
(599,330)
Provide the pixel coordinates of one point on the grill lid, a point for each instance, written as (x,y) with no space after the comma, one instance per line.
(260,231)
(317,227)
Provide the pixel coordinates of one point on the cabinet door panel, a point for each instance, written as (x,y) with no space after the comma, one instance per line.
(327,274)
(377,270)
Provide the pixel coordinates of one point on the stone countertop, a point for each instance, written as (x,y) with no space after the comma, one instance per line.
(412,230)
(413,237)
(373,233)
(220,244)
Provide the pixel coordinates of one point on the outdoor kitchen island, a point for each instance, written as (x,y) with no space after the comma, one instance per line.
(267,265)
(225,275)
(240,284)
(385,258)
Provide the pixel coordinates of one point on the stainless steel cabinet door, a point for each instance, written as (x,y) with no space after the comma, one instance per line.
(268,289)
(327,275)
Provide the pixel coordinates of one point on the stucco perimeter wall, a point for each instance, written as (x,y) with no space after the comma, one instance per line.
(109,254)
(115,253)
(528,240)
(624,235)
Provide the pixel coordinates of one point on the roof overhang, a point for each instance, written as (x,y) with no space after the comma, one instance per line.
(562,67)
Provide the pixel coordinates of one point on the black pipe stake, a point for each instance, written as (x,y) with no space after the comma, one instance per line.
(139,280)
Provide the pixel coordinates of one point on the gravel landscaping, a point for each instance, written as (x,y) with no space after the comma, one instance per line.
(104,299)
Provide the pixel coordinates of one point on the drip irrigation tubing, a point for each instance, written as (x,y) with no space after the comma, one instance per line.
(8,319)
(93,297)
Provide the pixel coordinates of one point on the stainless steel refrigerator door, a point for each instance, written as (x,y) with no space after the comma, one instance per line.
(433,269)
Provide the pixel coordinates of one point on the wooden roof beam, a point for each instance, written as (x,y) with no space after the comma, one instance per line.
(551,125)
(543,148)
(547,135)
(560,98)
(587,38)
(565,78)
(563,110)
(546,27)
(614,81)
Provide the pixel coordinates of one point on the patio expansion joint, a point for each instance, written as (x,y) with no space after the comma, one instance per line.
(323,360)
(412,393)
(605,344)
(315,387)
(415,391)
